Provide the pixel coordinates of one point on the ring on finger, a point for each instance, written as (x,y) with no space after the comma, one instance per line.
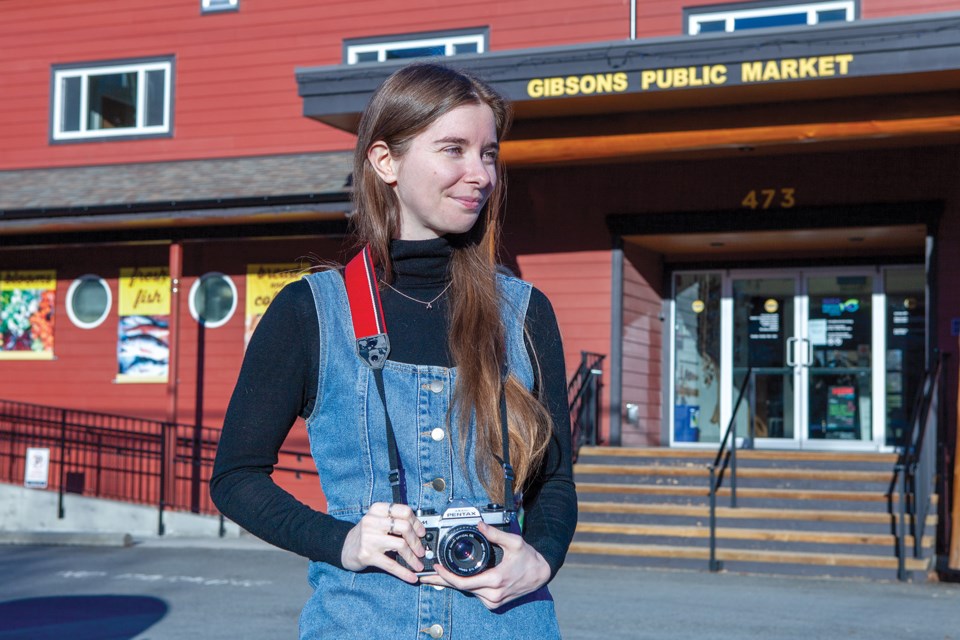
(393,523)
(390,509)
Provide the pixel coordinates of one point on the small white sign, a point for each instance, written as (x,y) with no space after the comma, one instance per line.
(817,330)
(37,470)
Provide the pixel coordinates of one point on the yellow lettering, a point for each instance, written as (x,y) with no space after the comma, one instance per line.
(771,71)
(588,84)
(788,69)
(718,74)
(556,87)
(696,80)
(647,77)
(571,85)
(605,83)
(844,60)
(751,71)
(535,88)
(681,77)
(808,68)
(826,66)
(620,81)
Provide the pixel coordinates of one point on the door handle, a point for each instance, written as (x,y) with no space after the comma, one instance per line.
(809,361)
(792,351)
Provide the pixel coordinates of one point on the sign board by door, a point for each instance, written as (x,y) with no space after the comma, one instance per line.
(37,468)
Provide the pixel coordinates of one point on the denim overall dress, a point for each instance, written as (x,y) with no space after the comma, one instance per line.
(349,446)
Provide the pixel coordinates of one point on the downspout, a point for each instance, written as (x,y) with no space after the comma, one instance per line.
(633,19)
(616,344)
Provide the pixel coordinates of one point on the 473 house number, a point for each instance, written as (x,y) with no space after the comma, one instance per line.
(782,198)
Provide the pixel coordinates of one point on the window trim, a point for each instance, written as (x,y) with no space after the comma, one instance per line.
(229,5)
(84,70)
(71,290)
(380,44)
(729,13)
(192,304)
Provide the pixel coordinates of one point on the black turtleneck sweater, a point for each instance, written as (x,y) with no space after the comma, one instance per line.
(278,382)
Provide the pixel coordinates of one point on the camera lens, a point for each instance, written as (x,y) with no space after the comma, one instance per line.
(464,551)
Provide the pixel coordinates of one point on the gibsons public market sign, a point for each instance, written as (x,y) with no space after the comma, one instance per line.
(752,72)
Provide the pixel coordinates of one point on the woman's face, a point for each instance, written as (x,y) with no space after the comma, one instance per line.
(446,175)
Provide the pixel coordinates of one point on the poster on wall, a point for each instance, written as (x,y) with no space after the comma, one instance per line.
(264,282)
(143,337)
(27,300)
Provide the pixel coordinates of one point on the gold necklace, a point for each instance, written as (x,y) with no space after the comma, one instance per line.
(428,304)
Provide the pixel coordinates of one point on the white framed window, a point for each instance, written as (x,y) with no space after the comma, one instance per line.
(89,301)
(215,6)
(112,100)
(741,17)
(423,45)
(213,299)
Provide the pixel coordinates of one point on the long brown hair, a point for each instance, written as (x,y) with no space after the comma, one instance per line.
(407,103)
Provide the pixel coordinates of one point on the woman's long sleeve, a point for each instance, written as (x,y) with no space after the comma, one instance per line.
(273,388)
(550,503)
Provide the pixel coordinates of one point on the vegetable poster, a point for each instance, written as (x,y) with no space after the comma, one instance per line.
(27,300)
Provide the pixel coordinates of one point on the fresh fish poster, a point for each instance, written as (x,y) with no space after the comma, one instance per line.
(143,337)
(27,302)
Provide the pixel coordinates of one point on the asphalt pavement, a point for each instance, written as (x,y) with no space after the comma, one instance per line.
(243,589)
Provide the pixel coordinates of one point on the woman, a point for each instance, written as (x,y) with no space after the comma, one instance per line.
(428,196)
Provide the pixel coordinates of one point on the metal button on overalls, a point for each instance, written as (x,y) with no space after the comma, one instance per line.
(435,631)
(439,484)
(437,434)
(436,386)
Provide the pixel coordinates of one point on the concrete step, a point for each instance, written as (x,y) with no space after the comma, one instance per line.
(745,513)
(864,561)
(740,533)
(663,453)
(742,492)
(743,472)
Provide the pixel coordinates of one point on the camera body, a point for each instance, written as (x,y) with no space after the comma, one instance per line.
(453,539)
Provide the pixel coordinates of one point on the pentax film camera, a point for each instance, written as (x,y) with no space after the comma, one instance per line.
(453,540)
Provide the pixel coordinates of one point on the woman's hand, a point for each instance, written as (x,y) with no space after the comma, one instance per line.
(385,527)
(521,571)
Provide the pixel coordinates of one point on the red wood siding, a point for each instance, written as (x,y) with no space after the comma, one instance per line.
(579,287)
(235,92)
(642,357)
(82,375)
(665,17)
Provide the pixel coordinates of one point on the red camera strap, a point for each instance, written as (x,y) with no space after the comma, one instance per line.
(373,347)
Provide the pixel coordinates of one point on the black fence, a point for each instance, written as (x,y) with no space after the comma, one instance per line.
(584,392)
(110,456)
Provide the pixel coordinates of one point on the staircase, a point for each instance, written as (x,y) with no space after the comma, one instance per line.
(810,513)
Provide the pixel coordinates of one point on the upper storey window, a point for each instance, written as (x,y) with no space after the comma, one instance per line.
(215,6)
(113,100)
(417,45)
(753,15)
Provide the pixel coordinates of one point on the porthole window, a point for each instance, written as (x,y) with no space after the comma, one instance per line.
(213,299)
(88,301)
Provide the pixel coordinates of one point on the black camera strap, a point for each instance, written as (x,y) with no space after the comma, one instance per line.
(373,347)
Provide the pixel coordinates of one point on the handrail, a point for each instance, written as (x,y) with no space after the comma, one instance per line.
(916,465)
(583,393)
(114,456)
(716,479)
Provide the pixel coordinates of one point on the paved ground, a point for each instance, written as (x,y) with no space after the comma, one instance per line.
(174,590)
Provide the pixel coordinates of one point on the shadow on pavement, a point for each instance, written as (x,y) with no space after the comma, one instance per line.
(104,617)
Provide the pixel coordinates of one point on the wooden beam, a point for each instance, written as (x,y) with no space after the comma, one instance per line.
(557,150)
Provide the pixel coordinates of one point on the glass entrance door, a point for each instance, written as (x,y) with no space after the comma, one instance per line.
(840,357)
(765,345)
(807,338)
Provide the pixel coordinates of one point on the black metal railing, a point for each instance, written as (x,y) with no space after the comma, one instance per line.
(147,462)
(726,457)
(583,394)
(915,470)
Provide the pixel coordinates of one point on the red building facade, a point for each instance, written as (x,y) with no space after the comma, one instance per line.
(701,189)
